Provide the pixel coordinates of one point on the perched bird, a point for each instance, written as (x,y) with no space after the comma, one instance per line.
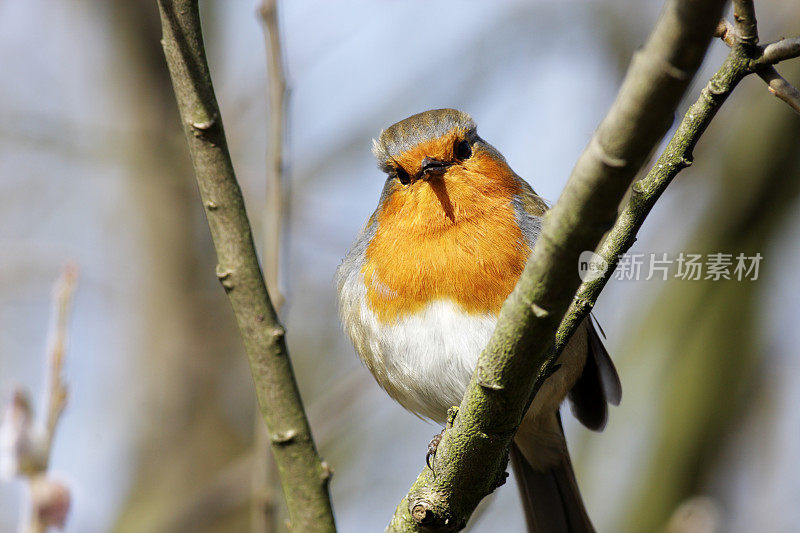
(421,289)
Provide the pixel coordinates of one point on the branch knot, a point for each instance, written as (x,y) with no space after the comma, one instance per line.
(283,438)
(224,277)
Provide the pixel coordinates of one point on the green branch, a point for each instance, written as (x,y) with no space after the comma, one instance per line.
(676,156)
(303,475)
(472,456)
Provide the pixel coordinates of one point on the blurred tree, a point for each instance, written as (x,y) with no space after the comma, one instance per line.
(188,475)
(710,329)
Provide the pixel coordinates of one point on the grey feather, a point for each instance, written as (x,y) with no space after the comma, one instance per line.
(410,132)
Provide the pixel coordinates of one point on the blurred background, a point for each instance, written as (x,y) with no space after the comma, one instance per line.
(158,432)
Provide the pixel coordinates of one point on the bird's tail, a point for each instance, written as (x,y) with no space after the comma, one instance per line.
(550,497)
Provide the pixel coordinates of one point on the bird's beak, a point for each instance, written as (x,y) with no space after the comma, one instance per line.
(432,167)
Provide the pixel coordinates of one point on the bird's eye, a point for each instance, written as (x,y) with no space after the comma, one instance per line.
(402,176)
(463,150)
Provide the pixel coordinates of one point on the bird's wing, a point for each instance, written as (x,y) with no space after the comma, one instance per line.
(597,385)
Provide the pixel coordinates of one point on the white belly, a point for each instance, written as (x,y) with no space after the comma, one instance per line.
(424,361)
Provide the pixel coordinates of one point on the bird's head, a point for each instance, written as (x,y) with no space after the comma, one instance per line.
(440,172)
(448,225)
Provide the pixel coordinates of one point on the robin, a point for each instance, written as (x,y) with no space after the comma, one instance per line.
(421,289)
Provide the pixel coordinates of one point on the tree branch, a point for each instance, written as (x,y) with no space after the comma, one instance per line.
(303,475)
(50,499)
(56,388)
(276,111)
(763,63)
(781,88)
(472,455)
(781,50)
(264,504)
(25,447)
(744,14)
(676,156)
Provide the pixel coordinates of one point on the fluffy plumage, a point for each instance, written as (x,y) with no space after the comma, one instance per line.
(421,289)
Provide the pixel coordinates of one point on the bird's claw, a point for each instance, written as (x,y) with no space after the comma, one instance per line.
(433,445)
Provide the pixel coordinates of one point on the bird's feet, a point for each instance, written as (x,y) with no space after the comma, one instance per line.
(432,446)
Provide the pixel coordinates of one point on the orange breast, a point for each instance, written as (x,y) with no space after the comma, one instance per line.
(454,238)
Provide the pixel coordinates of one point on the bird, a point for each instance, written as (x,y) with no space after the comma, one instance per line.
(420,291)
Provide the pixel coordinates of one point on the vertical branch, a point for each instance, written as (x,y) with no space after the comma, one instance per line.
(744,15)
(50,499)
(276,112)
(304,476)
(56,388)
(263,508)
(25,447)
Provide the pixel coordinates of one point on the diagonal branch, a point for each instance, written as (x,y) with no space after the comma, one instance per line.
(472,455)
(303,475)
(676,156)
(781,88)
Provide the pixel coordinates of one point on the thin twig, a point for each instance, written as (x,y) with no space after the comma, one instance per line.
(265,477)
(781,50)
(49,498)
(763,64)
(57,389)
(304,476)
(676,156)
(780,87)
(276,97)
